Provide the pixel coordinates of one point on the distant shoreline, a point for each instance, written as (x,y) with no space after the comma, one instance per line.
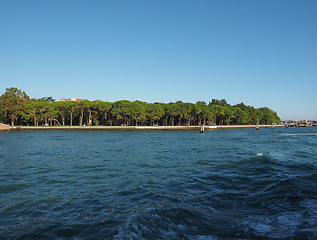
(139,127)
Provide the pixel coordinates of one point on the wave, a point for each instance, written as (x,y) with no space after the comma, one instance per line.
(168,223)
(286,224)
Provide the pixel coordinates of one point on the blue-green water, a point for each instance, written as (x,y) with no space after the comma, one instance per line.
(224,184)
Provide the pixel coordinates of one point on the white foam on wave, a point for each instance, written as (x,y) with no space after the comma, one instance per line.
(259,154)
(299,134)
(263,226)
(311,206)
(200,237)
(154,224)
(269,227)
(286,224)
(141,225)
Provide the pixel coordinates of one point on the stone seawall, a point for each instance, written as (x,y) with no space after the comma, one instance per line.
(139,127)
(4,127)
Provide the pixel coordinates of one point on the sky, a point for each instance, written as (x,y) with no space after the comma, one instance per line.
(261,53)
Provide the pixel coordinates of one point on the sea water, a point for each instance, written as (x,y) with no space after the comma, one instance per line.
(127,184)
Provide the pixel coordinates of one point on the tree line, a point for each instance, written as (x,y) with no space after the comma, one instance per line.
(17,108)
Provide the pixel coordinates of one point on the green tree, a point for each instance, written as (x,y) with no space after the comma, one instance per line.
(63,109)
(221,102)
(137,112)
(71,107)
(32,112)
(211,114)
(171,110)
(104,109)
(242,117)
(268,116)
(121,112)
(229,114)
(46,99)
(180,111)
(2,116)
(12,102)
(94,111)
(82,106)
(16,105)
(187,112)
(200,112)
(49,112)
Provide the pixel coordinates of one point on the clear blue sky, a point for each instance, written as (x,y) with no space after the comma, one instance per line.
(262,53)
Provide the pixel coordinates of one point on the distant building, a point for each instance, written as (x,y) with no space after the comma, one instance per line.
(72,99)
(305,123)
(291,123)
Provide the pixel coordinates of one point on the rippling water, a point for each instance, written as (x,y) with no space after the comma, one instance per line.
(95,184)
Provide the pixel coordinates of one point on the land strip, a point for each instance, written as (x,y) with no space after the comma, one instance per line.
(139,127)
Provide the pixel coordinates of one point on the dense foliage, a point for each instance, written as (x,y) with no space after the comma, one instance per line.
(18,108)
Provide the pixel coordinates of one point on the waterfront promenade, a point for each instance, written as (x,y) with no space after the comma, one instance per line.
(139,127)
